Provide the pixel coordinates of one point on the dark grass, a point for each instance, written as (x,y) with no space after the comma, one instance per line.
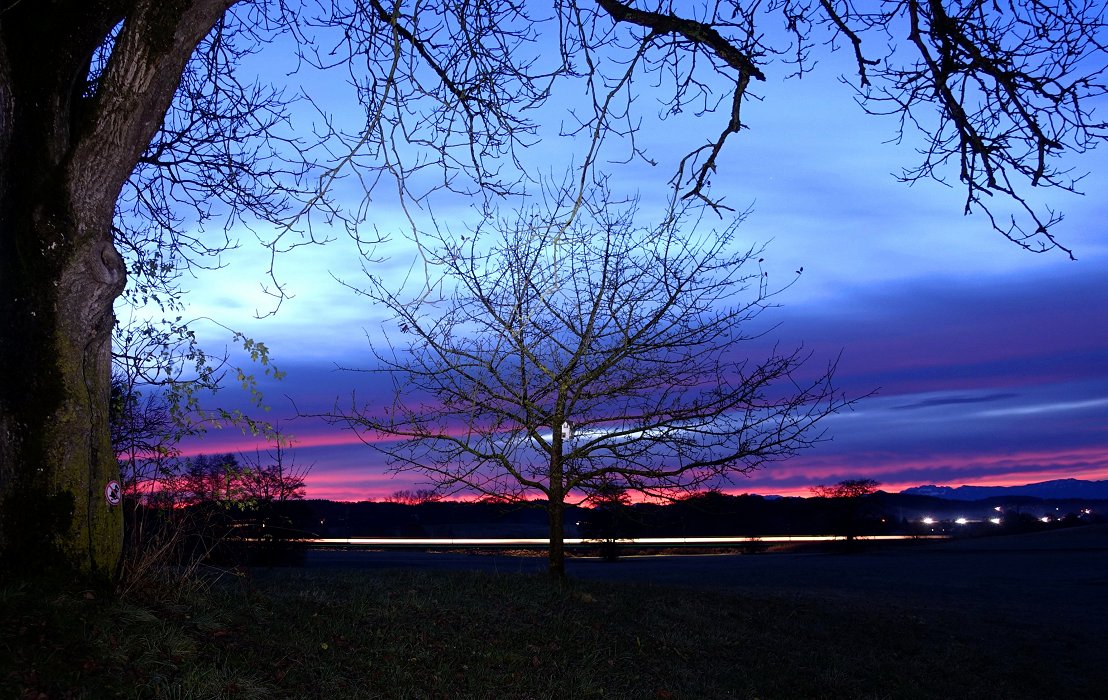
(369,634)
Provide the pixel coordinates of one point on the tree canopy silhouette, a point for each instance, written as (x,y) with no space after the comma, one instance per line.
(849,501)
(565,353)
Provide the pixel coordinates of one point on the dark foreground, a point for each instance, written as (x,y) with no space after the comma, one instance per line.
(1057,580)
(1021,618)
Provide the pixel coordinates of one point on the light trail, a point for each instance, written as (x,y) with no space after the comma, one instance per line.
(580,541)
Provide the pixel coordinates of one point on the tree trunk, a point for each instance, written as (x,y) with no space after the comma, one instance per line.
(56,310)
(66,148)
(555,509)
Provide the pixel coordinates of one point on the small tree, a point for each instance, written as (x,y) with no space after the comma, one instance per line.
(274,476)
(850,488)
(574,350)
(144,437)
(607,521)
(848,501)
(411,497)
(213,480)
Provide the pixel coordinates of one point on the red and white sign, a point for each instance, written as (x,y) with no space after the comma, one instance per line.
(113,494)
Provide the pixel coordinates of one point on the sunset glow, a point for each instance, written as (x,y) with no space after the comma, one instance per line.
(980,363)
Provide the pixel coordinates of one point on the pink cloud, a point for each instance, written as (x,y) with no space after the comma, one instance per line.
(796,477)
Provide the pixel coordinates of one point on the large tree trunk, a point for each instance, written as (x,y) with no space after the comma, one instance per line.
(59,281)
(66,148)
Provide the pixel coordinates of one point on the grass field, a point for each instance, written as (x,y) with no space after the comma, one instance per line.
(396,634)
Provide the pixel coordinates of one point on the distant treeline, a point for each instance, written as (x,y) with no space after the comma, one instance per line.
(704,515)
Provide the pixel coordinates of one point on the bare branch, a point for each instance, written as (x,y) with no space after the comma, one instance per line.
(606,352)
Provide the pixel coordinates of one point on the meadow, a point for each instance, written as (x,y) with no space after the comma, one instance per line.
(320,633)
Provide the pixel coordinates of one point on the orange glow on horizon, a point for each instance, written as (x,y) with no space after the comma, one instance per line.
(341,477)
(975,470)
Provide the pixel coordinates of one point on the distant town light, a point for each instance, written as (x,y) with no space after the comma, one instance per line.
(961,521)
(928,520)
(1045,519)
(994,521)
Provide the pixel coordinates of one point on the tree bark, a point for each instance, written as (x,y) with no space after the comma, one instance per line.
(555,508)
(66,148)
(557,550)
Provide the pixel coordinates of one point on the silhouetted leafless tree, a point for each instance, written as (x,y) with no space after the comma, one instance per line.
(274,475)
(575,351)
(998,91)
(413,497)
(213,479)
(608,517)
(848,499)
(143,436)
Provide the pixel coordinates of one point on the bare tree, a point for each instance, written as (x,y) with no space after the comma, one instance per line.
(410,497)
(607,521)
(213,480)
(848,500)
(127,129)
(143,436)
(998,92)
(275,475)
(566,359)
(850,488)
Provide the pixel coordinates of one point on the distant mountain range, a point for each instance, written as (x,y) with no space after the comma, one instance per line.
(1057,488)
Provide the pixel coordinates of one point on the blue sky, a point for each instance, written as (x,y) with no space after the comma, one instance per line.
(989,363)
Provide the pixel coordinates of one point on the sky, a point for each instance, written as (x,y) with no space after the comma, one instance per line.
(980,363)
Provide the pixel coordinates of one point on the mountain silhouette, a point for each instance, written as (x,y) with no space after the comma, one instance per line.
(1056,488)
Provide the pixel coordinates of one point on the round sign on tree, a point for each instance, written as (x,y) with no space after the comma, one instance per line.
(113,494)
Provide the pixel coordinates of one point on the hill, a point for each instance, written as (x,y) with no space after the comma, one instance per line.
(1053,489)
